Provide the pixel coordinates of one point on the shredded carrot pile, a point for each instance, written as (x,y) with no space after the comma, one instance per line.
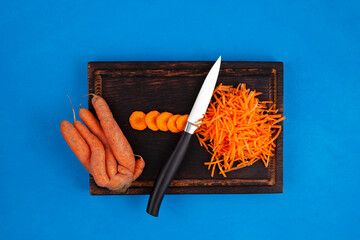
(238,129)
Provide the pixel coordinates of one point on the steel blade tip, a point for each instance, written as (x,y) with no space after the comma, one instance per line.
(204,96)
(218,62)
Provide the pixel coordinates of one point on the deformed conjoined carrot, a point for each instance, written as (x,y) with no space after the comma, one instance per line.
(94,147)
(155,121)
(117,141)
(120,176)
(181,122)
(97,162)
(94,126)
(76,143)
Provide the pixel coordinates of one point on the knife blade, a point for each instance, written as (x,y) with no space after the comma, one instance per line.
(170,168)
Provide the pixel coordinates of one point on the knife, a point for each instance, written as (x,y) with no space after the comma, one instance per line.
(198,110)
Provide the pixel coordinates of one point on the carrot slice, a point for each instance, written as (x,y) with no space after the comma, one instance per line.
(181,122)
(172,123)
(137,120)
(162,120)
(150,120)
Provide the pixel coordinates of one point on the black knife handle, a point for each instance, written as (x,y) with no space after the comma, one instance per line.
(166,175)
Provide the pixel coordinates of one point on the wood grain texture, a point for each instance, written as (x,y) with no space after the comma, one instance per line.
(173,87)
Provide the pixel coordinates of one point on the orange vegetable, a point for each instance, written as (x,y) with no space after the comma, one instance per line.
(117,141)
(137,120)
(102,149)
(139,166)
(97,162)
(238,129)
(181,122)
(120,176)
(76,143)
(122,180)
(155,121)
(150,120)
(172,123)
(94,126)
(162,120)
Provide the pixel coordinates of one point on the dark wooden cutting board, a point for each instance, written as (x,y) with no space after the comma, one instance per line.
(173,87)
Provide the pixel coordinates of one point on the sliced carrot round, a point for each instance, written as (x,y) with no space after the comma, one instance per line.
(162,120)
(137,120)
(172,123)
(181,122)
(150,120)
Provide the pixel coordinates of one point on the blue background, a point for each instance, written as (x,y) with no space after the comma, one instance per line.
(44,50)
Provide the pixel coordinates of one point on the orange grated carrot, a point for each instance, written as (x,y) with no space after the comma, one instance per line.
(238,129)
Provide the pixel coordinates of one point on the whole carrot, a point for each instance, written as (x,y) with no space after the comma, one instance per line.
(94,126)
(97,162)
(118,143)
(76,143)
